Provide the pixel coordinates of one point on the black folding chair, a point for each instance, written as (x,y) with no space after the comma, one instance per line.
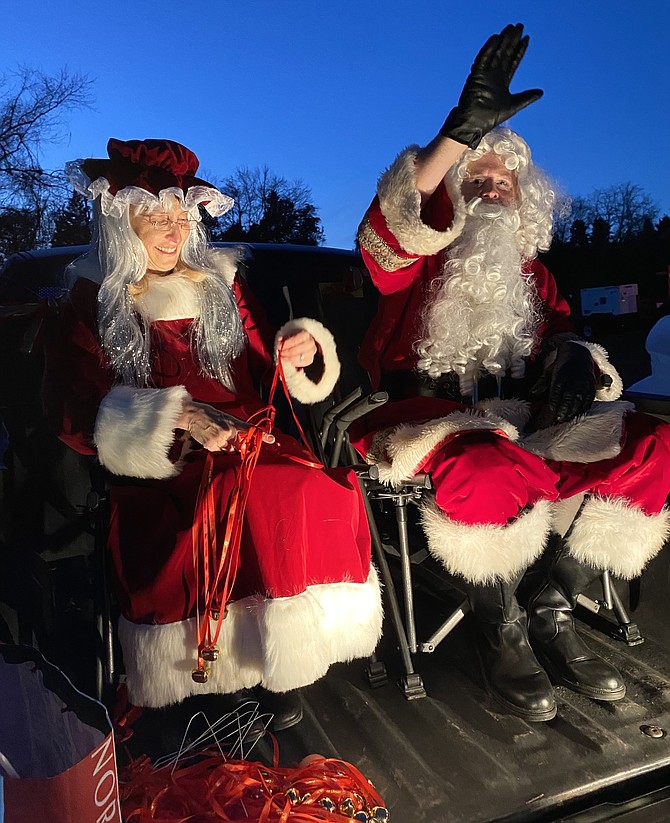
(336,449)
(54,501)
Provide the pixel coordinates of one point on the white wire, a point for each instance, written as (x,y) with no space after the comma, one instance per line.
(230,732)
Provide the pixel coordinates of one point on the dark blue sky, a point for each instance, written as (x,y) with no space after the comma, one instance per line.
(330,92)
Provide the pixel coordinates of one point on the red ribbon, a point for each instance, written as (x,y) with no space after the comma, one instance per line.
(218,576)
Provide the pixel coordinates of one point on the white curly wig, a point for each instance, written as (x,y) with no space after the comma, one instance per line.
(536,194)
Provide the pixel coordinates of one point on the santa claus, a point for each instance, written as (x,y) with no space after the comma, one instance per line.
(517,420)
(154,365)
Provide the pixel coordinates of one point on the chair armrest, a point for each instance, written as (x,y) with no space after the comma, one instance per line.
(657,405)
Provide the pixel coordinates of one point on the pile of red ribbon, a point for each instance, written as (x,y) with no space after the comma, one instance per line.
(319,789)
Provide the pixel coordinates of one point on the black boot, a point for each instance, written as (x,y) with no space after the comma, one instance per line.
(511,671)
(285,707)
(562,652)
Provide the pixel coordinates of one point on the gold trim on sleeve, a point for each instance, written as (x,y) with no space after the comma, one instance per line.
(380,250)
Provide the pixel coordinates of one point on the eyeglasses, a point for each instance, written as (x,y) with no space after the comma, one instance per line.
(165,224)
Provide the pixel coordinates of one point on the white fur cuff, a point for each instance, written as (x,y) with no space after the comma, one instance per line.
(485,553)
(283,644)
(298,383)
(596,436)
(400,202)
(134,430)
(601,359)
(610,534)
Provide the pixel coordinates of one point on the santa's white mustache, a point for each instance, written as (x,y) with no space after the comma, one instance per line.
(494,214)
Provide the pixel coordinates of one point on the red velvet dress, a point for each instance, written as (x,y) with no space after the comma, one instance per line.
(305,595)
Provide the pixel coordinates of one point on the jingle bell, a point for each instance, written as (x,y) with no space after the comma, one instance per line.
(292,794)
(328,804)
(210,654)
(200,675)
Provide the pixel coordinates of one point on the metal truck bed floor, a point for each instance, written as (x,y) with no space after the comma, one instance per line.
(453,758)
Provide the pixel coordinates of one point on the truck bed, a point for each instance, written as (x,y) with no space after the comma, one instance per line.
(453,757)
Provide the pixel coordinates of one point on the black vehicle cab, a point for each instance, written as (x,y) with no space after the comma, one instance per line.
(446,758)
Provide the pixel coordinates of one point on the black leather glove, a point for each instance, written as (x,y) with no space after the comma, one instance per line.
(486,99)
(570,384)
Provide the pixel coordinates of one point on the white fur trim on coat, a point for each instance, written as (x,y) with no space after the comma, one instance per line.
(169,298)
(611,534)
(408,444)
(226,262)
(596,436)
(516,412)
(602,361)
(400,203)
(282,643)
(486,553)
(298,383)
(177,297)
(134,430)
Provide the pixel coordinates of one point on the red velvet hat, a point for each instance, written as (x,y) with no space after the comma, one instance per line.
(143,171)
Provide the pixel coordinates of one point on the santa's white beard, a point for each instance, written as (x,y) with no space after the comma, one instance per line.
(482,312)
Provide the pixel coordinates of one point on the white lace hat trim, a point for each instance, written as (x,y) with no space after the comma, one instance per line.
(216,203)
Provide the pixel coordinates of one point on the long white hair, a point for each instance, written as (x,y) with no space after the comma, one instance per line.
(217,332)
(482,312)
(536,194)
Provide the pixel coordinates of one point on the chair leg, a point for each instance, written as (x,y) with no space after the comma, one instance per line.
(626,629)
(400,506)
(411,684)
(105,673)
(376,671)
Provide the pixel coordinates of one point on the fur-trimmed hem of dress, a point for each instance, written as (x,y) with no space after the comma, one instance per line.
(281,643)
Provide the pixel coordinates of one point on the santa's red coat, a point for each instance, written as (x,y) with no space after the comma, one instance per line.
(498,486)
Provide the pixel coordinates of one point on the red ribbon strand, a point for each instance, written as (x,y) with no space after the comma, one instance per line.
(215,565)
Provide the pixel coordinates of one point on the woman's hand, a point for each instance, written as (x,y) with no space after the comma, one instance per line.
(213,429)
(299,349)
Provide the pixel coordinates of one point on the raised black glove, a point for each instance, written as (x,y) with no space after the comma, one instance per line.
(571,384)
(486,99)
